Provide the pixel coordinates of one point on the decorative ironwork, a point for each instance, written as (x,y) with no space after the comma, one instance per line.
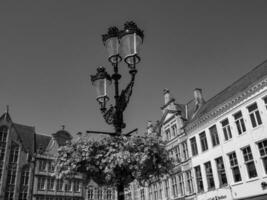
(109,115)
(126,94)
(114,114)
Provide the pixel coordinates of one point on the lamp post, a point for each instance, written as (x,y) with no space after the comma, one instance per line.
(121,45)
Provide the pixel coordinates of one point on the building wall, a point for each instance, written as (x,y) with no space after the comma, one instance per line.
(11,180)
(247,187)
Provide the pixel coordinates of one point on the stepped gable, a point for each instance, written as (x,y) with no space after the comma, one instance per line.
(62,137)
(249,79)
(27,134)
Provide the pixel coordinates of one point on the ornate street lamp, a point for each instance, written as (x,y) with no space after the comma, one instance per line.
(124,44)
(101,81)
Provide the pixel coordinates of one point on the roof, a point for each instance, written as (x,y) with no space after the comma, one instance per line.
(253,76)
(42,141)
(62,137)
(26,133)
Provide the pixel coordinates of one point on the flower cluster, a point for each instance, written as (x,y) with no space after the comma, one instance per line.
(115,160)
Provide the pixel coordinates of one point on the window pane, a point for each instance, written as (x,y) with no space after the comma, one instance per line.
(251,170)
(214,135)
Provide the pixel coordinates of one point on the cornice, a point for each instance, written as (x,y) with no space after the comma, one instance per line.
(227,105)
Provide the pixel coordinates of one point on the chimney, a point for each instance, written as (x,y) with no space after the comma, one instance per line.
(167,96)
(198,97)
(149,128)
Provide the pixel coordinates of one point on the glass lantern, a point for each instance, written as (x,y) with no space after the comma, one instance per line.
(111,42)
(101,81)
(131,39)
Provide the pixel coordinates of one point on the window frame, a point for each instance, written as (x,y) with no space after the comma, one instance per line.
(263,153)
(234,165)
(193,144)
(249,161)
(227,133)
(240,122)
(222,176)
(215,140)
(209,175)
(254,115)
(203,141)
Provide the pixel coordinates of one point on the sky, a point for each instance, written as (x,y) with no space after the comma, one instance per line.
(49,49)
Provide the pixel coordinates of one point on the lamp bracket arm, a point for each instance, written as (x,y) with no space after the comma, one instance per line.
(109,115)
(125,95)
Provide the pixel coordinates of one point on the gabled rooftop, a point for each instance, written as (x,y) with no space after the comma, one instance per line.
(255,75)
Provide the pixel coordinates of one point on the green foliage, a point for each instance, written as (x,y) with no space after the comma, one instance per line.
(115,160)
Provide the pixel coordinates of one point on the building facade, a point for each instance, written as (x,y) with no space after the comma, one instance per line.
(228,141)
(219,145)
(27,166)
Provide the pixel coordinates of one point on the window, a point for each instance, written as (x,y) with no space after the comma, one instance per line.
(189,182)
(155,187)
(76,186)
(177,153)
(24,183)
(3,138)
(160,190)
(174,186)
(168,134)
(226,130)
(51,166)
(150,193)
(181,184)
(42,165)
(203,141)
(199,180)
(240,124)
(68,186)
(142,194)
(166,188)
(12,171)
(109,194)
(254,115)
(59,185)
(90,193)
(99,193)
(221,171)
(185,150)
(174,130)
(265,101)
(41,183)
(214,136)
(234,166)
(248,158)
(50,184)
(209,175)
(194,146)
(14,153)
(263,153)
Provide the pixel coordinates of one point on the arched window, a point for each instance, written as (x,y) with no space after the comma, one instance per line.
(12,171)
(24,183)
(3,137)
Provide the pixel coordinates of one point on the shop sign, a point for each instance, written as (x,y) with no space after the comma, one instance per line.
(221,197)
(220,194)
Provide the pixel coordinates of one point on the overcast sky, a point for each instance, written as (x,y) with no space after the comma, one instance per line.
(48,49)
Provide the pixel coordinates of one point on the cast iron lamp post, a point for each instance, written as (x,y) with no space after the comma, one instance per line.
(121,45)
